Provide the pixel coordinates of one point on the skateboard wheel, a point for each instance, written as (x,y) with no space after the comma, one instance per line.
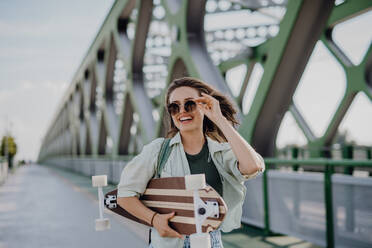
(196,181)
(99,181)
(102,224)
(209,229)
(200,240)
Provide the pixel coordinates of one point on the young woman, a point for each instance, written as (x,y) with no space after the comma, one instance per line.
(203,140)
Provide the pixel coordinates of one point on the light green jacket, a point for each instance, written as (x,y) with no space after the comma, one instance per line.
(141,169)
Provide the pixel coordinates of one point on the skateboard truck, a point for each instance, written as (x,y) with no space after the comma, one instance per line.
(101,223)
(110,201)
(202,210)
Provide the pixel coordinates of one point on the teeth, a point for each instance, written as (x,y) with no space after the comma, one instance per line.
(185,118)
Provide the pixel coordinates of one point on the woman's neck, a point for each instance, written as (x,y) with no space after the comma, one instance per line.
(192,141)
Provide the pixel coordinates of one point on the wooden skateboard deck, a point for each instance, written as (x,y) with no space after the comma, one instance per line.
(166,195)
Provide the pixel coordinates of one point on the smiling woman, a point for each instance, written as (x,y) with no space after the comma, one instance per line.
(190,88)
(203,140)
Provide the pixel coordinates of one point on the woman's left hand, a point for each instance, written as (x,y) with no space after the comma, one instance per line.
(210,106)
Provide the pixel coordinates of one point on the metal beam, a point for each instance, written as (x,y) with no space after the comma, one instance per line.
(285,65)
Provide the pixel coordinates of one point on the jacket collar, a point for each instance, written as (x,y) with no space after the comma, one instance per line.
(213,145)
(176,139)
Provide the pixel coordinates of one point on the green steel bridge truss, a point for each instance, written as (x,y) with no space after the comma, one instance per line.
(115,102)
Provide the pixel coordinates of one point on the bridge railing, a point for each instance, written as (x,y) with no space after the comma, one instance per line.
(3,170)
(347,212)
(325,208)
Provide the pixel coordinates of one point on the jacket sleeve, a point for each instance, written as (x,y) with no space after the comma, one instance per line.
(139,171)
(231,165)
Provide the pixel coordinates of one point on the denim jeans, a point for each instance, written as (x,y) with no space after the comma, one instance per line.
(216,240)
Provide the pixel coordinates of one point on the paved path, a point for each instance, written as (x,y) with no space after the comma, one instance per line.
(39,207)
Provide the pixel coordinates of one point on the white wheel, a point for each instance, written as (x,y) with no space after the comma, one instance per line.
(200,240)
(99,181)
(196,181)
(102,224)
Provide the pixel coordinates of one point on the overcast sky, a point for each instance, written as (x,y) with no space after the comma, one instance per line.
(42,43)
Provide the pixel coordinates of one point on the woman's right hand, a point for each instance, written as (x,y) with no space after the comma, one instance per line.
(160,222)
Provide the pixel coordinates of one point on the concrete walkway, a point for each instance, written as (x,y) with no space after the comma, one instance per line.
(40,207)
(48,207)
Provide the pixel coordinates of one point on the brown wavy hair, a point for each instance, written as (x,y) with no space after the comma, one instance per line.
(209,128)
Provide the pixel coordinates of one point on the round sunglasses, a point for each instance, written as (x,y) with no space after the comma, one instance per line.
(188,106)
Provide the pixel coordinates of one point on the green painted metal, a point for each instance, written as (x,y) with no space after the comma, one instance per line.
(355,82)
(283,65)
(347,152)
(347,10)
(294,154)
(320,162)
(301,122)
(268,54)
(276,49)
(355,74)
(66,137)
(265,185)
(329,205)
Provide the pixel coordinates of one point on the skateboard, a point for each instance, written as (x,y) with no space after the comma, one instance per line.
(198,208)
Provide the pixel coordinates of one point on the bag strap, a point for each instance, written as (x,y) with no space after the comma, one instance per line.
(162,159)
(163,156)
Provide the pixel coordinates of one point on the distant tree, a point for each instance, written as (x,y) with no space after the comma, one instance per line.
(343,138)
(8,148)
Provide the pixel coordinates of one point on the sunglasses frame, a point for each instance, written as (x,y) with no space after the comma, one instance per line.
(188,106)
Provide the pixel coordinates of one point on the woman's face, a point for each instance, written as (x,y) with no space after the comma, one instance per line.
(186,121)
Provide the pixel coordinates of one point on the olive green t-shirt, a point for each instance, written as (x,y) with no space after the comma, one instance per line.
(201,163)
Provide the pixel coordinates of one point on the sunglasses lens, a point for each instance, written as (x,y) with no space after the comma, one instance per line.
(173,109)
(190,106)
